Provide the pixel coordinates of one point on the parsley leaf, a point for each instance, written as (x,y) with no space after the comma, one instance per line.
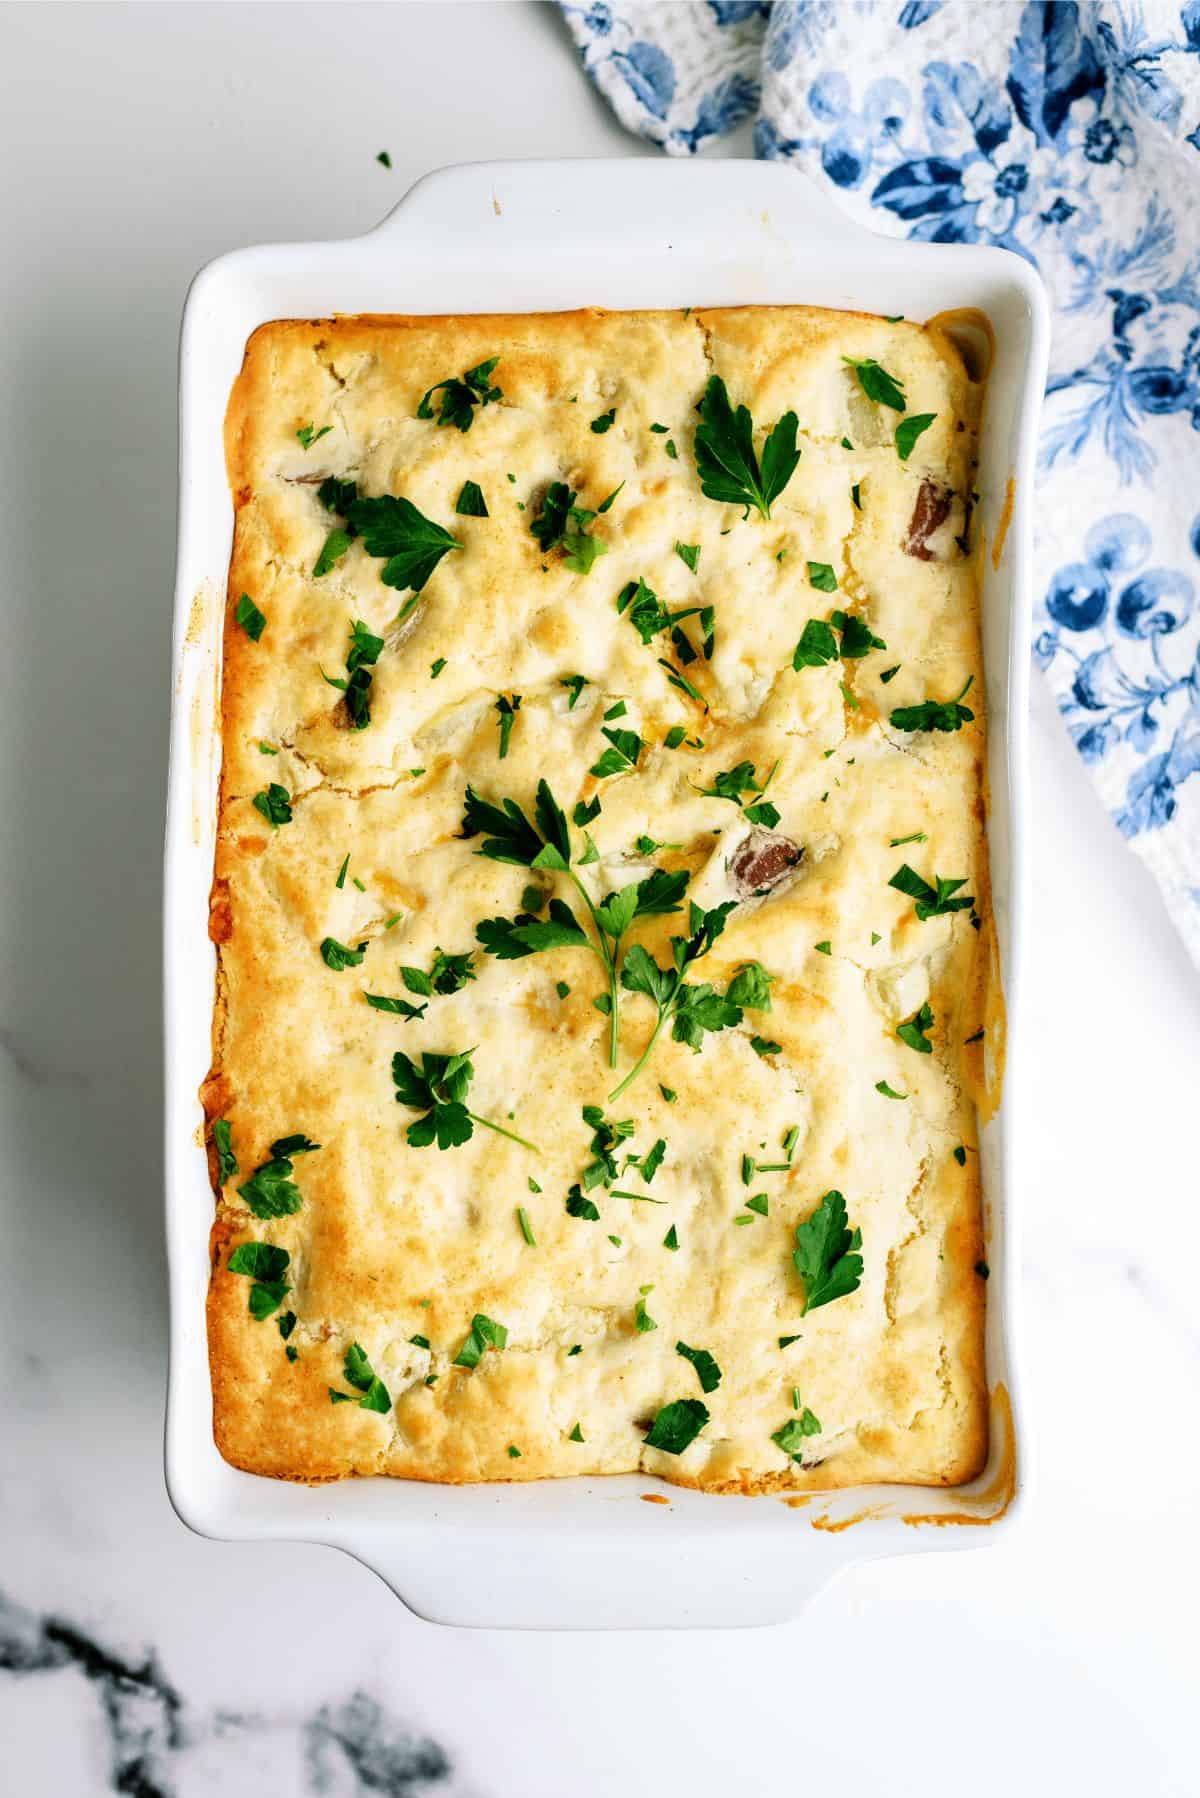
(337,956)
(791,1438)
(763,1046)
(411,544)
(507,708)
(641,1317)
(579,1206)
(484,1334)
(708,1373)
(826,1255)
(358,1372)
(751,987)
(857,637)
(574,683)
(889,1092)
(822,577)
(265,1265)
(270,1191)
(913,1030)
(626,747)
(460,397)
(470,502)
(677,1425)
(688,553)
(399,1008)
(275,805)
(816,647)
(726,462)
(309,434)
(438,1088)
(876,382)
(602,424)
(931,902)
(252,621)
(365,650)
(332,550)
(933,714)
(227,1164)
(909,429)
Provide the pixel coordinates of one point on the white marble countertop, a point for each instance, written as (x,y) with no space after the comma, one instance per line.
(138,142)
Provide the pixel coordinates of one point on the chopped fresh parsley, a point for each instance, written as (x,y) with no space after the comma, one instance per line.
(484,1334)
(726,461)
(677,1425)
(399,1008)
(340,882)
(420,1341)
(669,446)
(689,553)
(817,646)
(364,652)
(856,496)
(270,1190)
(760,1203)
(369,1390)
(671,1239)
(337,956)
(470,502)
(227,1163)
(826,1254)
(641,1317)
(909,429)
(507,709)
(562,522)
(918,836)
(751,987)
(889,1092)
(822,577)
(275,804)
(791,1438)
(763,1045)
(604,422)
(410,544)
(660,430)
(934,714)
(889,674)
(514,1452)
(876,382)
(309,434)
(824,948)
(931,901)
(914,1031)
(579,1205)
(856,635)
(576,1435)
(438,1089)
(526,1226)
(459,398)
(252,621)
(266,1265)
(384,158)
(625,746)
(574,683)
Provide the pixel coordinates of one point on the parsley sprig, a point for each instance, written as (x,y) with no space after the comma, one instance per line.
(692,1010)
(270,1190)
(545,843)
(438,1089)
(726,461)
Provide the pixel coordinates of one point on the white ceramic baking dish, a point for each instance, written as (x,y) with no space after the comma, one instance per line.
(534,237)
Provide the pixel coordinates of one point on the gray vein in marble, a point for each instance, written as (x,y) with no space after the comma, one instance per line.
(352,1747)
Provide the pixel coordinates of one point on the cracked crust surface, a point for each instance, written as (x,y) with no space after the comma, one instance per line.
(392,1241)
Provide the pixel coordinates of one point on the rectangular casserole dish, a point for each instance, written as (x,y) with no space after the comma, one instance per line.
(522,238)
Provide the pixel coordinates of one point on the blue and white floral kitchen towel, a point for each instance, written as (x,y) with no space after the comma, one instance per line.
(1071,134)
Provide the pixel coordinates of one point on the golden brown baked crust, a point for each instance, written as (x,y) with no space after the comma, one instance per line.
(393,1242)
